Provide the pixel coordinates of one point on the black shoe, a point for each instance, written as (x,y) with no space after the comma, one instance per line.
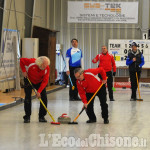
(112,100)
(77,99)
(90,121)
(106,121)
(26,119)
(71,99)
(42,119)
(133,99)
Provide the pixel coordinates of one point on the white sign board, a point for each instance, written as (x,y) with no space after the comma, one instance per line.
(102,12)
(30,47)
(120,49)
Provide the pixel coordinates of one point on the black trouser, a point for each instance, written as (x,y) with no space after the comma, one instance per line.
(27,102)
(109,83)
(73,93)
(104,106)
(133,80)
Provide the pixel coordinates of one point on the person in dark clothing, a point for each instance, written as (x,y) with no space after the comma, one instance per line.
(37,70)
(88,83)
(74,60)
(135,61)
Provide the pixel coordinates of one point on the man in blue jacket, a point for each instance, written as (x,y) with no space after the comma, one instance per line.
(74,60)
(135,61)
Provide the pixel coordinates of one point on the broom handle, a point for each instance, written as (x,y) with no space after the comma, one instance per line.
(95,94)
(70,80)
(46,109)
(138,86)
(79,114)
(41,100)
(88,102)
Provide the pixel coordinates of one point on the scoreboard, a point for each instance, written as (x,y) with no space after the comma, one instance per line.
(121,48)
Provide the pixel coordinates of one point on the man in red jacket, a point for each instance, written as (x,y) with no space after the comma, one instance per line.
(37,70)
(87,83)
(107,61)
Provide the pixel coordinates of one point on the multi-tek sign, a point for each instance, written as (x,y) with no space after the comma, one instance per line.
(102,12)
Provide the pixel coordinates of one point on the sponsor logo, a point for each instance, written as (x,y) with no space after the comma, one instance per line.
(92,5)
(113,7)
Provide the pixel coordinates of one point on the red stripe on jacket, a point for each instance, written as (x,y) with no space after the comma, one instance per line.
(35,74)
(91,82)
(106,61)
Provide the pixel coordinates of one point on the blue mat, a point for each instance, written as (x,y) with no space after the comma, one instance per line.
(1,104)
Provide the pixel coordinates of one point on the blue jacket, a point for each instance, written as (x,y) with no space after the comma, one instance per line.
(137,65)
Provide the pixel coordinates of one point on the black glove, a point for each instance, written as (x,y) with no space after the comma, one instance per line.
(114,73)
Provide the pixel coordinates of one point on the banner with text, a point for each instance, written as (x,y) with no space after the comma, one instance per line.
(7,68)
(102,12)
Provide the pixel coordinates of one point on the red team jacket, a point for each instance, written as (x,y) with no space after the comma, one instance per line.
(35,74)
(91,82)
(106,61)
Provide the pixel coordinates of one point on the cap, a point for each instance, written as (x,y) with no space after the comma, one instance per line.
(134,44)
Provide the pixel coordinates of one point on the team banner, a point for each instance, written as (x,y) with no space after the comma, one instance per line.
(102,12)
(7,67)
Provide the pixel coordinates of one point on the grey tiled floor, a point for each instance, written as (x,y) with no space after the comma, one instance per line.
(127,119)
